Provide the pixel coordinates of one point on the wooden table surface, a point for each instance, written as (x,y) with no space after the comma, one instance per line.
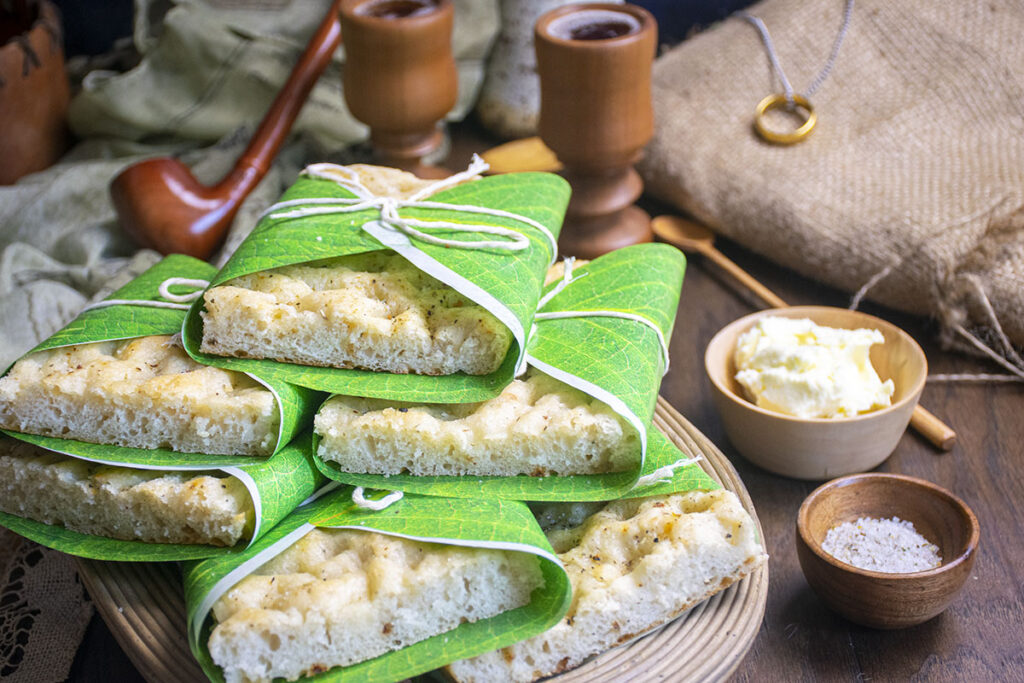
(979,638)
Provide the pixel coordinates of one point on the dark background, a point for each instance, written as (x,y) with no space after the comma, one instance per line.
(92,26)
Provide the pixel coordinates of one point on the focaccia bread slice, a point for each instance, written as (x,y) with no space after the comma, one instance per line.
(341,596)
(537,426)
(121,502)
(634,565)
(143,393)
(373,311)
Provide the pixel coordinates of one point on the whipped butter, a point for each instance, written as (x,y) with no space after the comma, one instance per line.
(799,368)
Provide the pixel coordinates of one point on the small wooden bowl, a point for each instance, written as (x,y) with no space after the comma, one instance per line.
(816,448)
(877,599)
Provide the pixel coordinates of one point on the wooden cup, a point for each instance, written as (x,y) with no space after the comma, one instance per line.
(400,77)
(596,115)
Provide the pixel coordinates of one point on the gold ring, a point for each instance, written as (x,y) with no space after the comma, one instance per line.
(778,102)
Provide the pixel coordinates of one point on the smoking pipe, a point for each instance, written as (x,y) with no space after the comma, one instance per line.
(161,204)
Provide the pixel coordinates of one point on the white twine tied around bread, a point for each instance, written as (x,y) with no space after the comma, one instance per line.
(360,499)
(179,302)
(389,208)
(567,279)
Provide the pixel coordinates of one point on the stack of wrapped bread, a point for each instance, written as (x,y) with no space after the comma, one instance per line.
(142,393)
(339,596)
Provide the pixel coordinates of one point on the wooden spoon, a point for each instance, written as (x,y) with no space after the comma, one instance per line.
(691,237)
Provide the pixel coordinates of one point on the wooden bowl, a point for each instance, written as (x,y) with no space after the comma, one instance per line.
(817,448)
(877,599)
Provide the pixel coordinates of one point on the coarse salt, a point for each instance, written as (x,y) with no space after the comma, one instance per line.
(881,545)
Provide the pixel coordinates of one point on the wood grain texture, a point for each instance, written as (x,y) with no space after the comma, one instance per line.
(400,79)
(816,448)
(34,91)
(143,605)
(596,116)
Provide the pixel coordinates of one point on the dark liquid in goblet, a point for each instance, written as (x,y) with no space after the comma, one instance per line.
(601,30)
(593,24)
(397,9)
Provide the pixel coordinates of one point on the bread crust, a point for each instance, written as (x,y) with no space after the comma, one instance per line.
(120,502)
(341,596)
(537,426)
(144,393)
(373,311)
(634,565)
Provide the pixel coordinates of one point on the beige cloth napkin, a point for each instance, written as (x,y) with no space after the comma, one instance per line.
(211,66)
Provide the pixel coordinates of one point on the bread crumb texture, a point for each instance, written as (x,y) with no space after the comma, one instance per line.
(537,426)
(634,565)
(374,311)
(341,596)
(143,393)
(383,181)
(119,502)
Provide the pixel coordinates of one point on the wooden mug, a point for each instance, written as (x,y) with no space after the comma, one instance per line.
(594,62)
(399,75)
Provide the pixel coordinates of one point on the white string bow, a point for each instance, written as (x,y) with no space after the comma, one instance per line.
(389,207)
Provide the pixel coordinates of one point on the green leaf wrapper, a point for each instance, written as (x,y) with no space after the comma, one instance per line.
(506,525)
(295,404)
(276,485)
(618,361)
(507,283)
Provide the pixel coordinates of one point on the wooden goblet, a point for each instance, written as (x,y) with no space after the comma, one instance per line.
(399,76)
(594,62)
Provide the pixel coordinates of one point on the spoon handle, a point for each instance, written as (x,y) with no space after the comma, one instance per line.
(932,428)
(745,278)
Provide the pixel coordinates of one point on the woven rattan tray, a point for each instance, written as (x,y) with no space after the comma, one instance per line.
(143,605)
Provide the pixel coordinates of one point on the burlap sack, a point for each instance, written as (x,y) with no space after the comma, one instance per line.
(914,175)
